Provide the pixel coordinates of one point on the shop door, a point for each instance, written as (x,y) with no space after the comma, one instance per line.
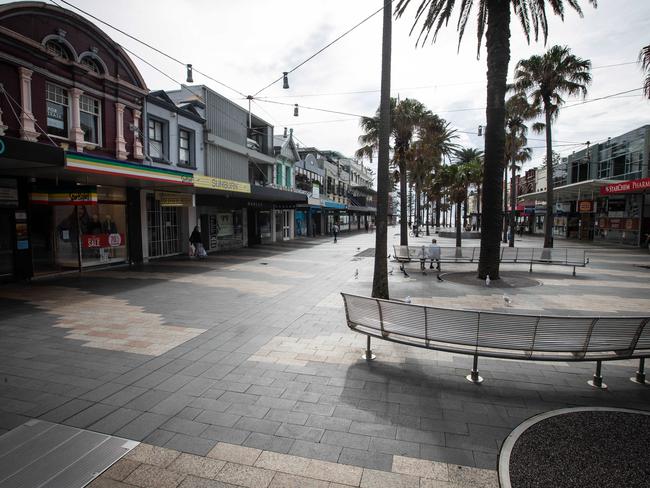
(6,244)
(41,239)
(251,226)
(286,227)
(162,228)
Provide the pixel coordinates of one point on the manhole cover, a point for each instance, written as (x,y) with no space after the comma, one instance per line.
(507,280)
(366,253)
(578,447)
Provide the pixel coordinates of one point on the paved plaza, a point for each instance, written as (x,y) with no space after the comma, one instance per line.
(242,368)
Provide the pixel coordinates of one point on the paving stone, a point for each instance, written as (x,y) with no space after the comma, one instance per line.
(475,443)
(189,413)
(421,436)
(329,423)
(345,439)
(172,405)
(114,420)
(467,476)
(174,383)
(300,432)
(447,454)
(159,437)
(314,408)
(283,480)
(217,418)
(242,398)
(105,390)
(314,450)
(284,463)
(366,459)
(147,400)
(248,476)
(147,476)
(375,430)
(392,446)
(190,444)
(381,479)
(234,453)
(90,415)
(196,482)
(121,469)
(210,404)
(184,426)
(148,454)
(420,467)
(124,396)
(196,465)
(257,425)
(66,410)
(248,410)
(334,472)
(225,434)
(287,416)
(108,483)
(269,442)
(142,426)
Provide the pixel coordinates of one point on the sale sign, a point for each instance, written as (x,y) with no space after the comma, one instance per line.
(98,241)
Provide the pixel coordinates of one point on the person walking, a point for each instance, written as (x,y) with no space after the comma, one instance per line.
(367,226)
(335,231)
(197,242)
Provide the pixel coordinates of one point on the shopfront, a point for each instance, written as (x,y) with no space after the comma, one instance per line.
(623,212)
(164,221)
(8,206)
(77,227)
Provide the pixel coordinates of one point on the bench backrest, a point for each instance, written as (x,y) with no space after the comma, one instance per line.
(562,255)
(500,334)
(425,251)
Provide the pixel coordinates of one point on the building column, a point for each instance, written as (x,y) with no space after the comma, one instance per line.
(76,134)
(120,143)
(27,130)
(137,142)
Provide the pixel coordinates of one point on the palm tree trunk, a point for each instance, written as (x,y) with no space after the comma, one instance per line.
(404,206)
(505,203)
(459,230)
(548,220)
(498,58)
(478,207)
(511,242)
(438,202)
(428,204)
(380,275)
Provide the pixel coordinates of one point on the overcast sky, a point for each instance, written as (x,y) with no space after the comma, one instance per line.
(248,43)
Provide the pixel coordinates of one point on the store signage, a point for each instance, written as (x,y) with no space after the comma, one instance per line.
(168,199)
(103,166)
(79,196)
(618,223)
(8,192)
(585,206)
(98,241)
(221,184)
(639,185)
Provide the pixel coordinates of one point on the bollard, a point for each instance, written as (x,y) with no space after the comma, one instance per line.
(368,355)
(597,381)
(473,376)
(639,377)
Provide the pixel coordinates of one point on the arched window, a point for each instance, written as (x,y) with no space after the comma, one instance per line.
(91,64)
(58,49)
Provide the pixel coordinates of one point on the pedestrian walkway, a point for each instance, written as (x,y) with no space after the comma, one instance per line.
(250,348)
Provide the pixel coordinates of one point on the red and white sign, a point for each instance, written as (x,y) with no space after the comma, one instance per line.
(626,187)
(585,206)
(92,241)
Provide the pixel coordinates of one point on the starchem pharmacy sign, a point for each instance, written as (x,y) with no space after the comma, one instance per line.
(221,184)
(631,186)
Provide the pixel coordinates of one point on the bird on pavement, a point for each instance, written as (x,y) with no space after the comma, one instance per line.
(487,280)
(439,278)
(407,299)
(507,300)
(356,274)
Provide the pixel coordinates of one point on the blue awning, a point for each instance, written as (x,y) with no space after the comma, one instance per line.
(331,204)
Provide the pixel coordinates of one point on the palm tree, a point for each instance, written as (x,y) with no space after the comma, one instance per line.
(495,15)
(546,79)
(406,118)
(455,179)
(470,155)
(644,59)
(380,274)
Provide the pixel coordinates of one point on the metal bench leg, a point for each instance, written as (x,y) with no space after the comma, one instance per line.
(531,267)
(574,271)
(368,355)
(597,382)
(473,376)
(639,377)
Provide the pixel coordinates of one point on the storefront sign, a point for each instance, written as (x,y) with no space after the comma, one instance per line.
(78,196)
(103,166)
(168,199)
(315,190)
(585,206)
(221,184)
(98,241)
(8,192)
(618,223)
(639,185)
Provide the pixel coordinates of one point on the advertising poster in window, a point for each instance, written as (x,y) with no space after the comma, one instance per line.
(225,225)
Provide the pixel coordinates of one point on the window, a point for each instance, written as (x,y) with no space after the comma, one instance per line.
(157,139)
(288,178)
(57,110)
(58,49)
(185,142)
(89,116)
(278,174)
(91,64)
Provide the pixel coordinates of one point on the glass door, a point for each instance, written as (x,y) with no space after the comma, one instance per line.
(162,228)
(286,228)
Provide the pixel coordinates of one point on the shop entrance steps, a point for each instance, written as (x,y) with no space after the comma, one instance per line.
(41,454)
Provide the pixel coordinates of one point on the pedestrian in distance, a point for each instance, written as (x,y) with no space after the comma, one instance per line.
(197,242)
(335,231)
(367,226)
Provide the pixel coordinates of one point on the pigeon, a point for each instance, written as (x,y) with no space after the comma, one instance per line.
(507,300)
(487,280)
(390,272)
(439,278)
(358,248)
(407,299)
(356,274)
(389,256)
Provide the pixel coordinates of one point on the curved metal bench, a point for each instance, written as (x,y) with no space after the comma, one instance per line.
(502,335)
(562,256)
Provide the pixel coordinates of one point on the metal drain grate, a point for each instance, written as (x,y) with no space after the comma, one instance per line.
(41,454)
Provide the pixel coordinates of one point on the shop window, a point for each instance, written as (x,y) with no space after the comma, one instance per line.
(157,140)
(185,145)
(57,110)
(90,118)
(278,174)
(103,228)
(288,178)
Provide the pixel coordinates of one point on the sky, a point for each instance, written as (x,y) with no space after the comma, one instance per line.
(249,43)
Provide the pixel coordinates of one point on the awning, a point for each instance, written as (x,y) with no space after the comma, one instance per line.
(573,191)
(335,205)
(355,208)
(271,194)
(17,155)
